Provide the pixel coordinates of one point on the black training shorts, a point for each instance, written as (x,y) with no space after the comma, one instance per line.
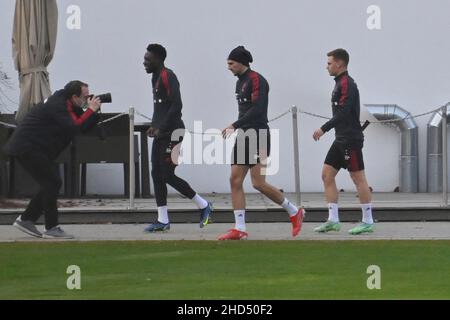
(252,147)
(346,156)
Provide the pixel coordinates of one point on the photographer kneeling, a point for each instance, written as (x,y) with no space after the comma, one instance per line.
(38,140)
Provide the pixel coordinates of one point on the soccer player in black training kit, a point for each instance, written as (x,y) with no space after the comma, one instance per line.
(165,129)
(252,144)
(346,151)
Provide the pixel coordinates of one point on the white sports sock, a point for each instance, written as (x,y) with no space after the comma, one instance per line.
(200,202)
(239,216)
(333,212)
(290,208)
(367,213)
(163,215)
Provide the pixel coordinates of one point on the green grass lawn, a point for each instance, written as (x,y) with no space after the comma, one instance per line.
(216,270)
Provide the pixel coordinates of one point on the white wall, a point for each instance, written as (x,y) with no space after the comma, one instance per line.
(404,63)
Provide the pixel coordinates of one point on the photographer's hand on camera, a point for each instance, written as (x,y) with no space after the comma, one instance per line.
(153,132)
(94,104)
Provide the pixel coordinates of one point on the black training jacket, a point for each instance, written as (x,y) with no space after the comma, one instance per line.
(252,94)
(167,102)
(346,110)
(50,127)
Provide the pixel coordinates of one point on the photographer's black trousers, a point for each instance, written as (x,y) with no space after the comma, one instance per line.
(46,173)
(164,162)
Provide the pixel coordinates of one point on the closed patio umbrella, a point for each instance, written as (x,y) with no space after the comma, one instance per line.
(34,40)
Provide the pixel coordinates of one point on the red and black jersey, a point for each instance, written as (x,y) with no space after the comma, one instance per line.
(49,127)
(346,110)
(166,101)
(252,94)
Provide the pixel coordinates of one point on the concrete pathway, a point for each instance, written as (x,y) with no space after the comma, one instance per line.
(257,231)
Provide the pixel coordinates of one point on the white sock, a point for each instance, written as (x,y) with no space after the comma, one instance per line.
(239,216)
(333,212)
(367,213)
(163,215)
(200,202)
(290,208)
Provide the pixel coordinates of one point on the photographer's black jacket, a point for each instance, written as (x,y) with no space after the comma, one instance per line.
(252,94)
(49,127)
(346,111)
(166,101)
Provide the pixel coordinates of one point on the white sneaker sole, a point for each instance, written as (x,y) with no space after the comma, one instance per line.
(45,236)
(25,230)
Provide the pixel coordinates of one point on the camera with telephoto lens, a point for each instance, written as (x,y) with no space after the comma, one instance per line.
(104,98)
